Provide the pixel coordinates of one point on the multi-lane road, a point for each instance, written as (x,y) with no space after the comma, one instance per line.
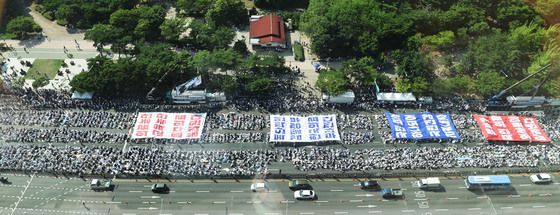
(49,195)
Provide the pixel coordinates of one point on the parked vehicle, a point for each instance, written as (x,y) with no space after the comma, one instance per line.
(300,184)
(304,195)
(391,193)
(541,178)
(431,183)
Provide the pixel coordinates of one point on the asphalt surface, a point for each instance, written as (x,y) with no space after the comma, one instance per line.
(50,195)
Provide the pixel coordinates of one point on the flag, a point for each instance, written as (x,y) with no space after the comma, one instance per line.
(376,87)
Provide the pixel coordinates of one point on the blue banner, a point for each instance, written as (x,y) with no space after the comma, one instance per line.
(422,126)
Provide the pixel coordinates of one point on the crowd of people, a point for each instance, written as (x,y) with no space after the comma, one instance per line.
(152,161)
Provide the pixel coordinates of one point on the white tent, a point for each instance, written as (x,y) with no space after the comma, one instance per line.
(396,97)
(82,96)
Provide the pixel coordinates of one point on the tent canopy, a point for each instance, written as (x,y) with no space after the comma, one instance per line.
(82,96)
(396,97)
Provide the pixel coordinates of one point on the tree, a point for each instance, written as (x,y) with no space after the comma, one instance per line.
(23,27)
(419,86)
(361,73)
(260,85)
(241,47)
(548,10)
(489,83)
(101,34)
(194,8)
(228,13)
(70,14)
(171,29)
(332,82)
(208,36)
(412,64)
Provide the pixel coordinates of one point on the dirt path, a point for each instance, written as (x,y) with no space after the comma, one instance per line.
(53,30)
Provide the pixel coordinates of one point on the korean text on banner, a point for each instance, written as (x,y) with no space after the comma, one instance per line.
(422,126)
(511,128)
(169,125)
(303,129)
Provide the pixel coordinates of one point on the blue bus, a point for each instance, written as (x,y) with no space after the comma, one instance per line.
(488,182)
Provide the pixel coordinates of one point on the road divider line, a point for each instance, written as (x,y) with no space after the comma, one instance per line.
(221,202)
(135,191)
(302,213)
(356,200)
(150,197)
(452,198)
(183,202)
(340,212)
(365,195)
(286,201)
(442,209)
(503,208)
(461,187)
(524,185)
(375,212)
(545,194)
(514,196)
(473,209)
(367,206)
(482,197)
(420,199)
(114,202)
(236,191)
(321,201)
(538,206)
(408,211)
(203,191)
(337,190)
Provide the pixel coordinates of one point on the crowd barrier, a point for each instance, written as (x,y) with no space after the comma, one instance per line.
(317,175)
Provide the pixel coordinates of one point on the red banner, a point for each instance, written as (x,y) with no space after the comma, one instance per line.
(511,128)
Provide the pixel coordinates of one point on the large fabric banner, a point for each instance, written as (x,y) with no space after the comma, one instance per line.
(169,125)
(303,129)
(511,128)
(420,126)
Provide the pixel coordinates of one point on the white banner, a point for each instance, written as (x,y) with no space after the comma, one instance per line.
(303,129)
(169,125)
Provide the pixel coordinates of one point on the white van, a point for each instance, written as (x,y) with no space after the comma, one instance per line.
(429,183)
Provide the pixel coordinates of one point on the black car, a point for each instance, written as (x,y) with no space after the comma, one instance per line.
(3,180)
(370,185)
(299,185)
(160,188)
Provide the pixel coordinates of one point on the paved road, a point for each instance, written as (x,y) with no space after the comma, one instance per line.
(48,195)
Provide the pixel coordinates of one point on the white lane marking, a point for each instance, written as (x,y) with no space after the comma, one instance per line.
(148,202)
(114,202)
(461,187)
(200,214)
(147,186)
(340,212)
(365,195)
(482,197)
(367,206)
(236,191)
(407,211)
(286,201)
(356,200)
(306,213)
(273,191)
(203,191)
(538,206)
(135,191)
(545,194)
(235,214)
(503,208)
(375,212)
(442,209)
(150,208)
(514,196)
(183,202)
(524,185)
(420,199)
(452,198)
(403,189)
(165,214)
(473,209)
(271,213)
(337,190)
(219,202)
(128,214)
(321,201)
(150,197)
(556,183)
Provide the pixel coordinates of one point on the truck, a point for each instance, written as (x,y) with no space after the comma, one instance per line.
(392,193)
(101,184)
(431,183)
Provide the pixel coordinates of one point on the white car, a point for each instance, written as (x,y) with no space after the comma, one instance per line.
(304,194)
(541,178)
(259,187)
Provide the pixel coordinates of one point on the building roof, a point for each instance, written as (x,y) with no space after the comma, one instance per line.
(267,29)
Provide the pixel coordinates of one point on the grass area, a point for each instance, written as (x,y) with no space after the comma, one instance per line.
(42,67)
(298,52)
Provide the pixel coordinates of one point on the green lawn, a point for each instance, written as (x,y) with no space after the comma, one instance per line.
(42,67)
